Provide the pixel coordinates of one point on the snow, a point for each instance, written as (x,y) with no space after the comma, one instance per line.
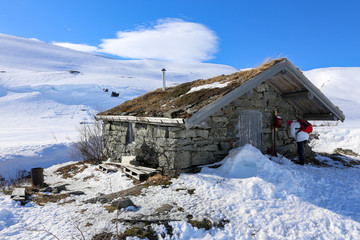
(208,86)
(281,200)
(242,163)
(42,102)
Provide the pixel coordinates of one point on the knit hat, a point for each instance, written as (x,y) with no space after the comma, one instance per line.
(289,122)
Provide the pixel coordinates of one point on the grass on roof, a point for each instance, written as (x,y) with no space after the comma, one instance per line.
(174,101)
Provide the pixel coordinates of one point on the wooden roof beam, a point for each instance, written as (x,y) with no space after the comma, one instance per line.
(320,116)
(297,96)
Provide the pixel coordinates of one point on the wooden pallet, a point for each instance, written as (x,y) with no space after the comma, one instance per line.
(135,173)
(138,172)
(107,168)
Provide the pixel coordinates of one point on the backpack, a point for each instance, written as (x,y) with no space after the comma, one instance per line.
(305,126)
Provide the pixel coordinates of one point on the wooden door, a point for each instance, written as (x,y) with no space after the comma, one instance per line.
(250,128)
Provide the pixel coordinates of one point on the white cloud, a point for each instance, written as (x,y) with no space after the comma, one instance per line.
(169,39)
(78,47)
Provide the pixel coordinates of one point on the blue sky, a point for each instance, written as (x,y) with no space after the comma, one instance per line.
(312,34)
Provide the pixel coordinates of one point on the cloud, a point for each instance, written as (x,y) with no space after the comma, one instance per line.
(78,47)
(168,39)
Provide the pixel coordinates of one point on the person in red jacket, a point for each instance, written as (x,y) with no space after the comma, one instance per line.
(300,137)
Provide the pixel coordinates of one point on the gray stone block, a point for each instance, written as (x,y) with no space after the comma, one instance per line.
(201,158)
(210,148)
(182,160)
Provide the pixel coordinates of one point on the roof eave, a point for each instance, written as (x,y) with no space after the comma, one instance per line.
(148,120)
(336,113)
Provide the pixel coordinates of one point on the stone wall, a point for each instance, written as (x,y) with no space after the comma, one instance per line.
(177,148)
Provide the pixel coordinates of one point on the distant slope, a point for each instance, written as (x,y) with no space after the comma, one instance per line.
(35,62)
(47,90)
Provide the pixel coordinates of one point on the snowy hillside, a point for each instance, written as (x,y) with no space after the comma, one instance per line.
(46,91)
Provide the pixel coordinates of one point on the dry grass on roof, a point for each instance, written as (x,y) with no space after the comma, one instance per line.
(177,101)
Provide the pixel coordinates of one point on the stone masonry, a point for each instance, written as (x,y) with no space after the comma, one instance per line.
(175,148)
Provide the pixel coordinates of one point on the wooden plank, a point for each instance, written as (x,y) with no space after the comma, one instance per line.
(133,166)
(115,164)
(146,169)
(150,120)
(107,169)
(135,170)
(138,172)
(326,116)
(231,96)
(297,96)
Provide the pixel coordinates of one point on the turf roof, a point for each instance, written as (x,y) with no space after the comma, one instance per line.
(176,102)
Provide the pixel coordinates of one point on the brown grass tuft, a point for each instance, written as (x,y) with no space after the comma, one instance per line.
(71,170)
(42,199)
(158,180)
(110,208)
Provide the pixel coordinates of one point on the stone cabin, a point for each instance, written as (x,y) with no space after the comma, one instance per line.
(199,122)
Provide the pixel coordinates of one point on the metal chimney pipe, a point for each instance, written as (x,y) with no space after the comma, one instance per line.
(163,77)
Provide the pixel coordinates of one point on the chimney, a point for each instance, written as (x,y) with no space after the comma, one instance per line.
(163,77)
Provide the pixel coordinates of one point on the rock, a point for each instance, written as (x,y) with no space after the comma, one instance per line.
(47,189)
(77,193)
(164,209)
(124,203)
(59,189)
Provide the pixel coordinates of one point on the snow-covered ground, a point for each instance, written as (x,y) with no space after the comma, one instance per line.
(273,199)
(46,91)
